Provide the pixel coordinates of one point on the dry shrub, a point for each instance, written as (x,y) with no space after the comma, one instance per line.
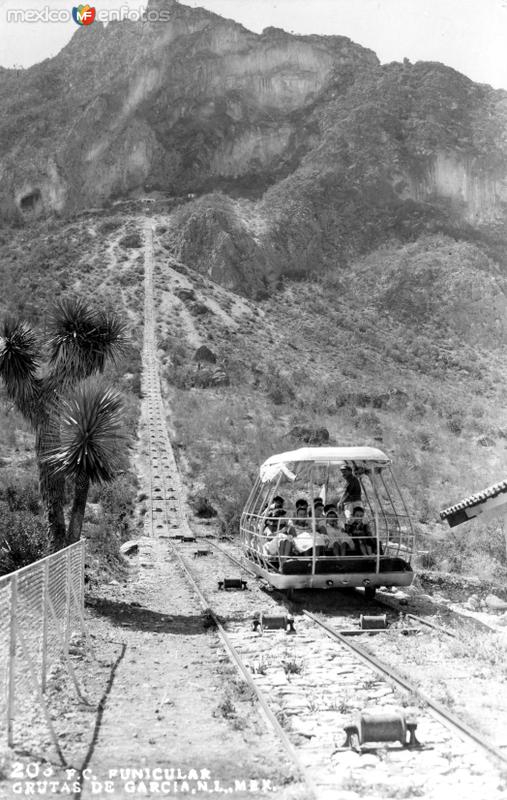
(224,448)
(23,539)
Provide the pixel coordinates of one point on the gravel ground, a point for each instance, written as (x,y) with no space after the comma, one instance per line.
(314,686)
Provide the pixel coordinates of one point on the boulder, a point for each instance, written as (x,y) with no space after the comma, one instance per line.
(441,600)
(203,355)
(495,603)
(310,435)
(220,378)
(199,309)
(185,294)
(130,548)
(131,240)
(473,603)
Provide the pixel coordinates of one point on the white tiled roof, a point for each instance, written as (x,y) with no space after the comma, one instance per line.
(475,499)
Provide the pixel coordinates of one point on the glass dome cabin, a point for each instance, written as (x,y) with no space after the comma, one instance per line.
(325,543)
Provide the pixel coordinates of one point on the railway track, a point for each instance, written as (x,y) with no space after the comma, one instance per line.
(309,684)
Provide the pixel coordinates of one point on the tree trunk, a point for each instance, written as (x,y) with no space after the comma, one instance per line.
(78,508)
(52,489)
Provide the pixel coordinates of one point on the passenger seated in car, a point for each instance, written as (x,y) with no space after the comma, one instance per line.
(279,537)
(269,510)
(302,503)
(276,504)
(360,531)
(318,507)
(301,518)
(339,542)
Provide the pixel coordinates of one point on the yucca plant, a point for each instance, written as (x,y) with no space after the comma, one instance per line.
(19,367)
(90,444)
(81,339)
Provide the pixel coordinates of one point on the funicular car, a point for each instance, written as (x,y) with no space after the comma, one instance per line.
(301,529)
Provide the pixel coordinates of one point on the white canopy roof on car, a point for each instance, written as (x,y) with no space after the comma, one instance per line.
(290,462)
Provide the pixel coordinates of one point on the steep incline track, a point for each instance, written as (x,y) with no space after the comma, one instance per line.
(166,513)
(168,707)
(308,681)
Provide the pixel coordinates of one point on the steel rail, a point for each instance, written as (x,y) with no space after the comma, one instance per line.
(446,716)
(236,658)
(435,627)
(378,600)
(391,604)
(387,602)
(234,560)
(155,448)
(242,669)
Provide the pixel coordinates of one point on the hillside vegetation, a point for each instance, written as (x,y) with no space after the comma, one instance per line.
(38,265)
(332,229)
(401,350)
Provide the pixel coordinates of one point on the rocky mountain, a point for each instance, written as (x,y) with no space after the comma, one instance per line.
(404,151)
(177,105)
(319,151)
(360,208)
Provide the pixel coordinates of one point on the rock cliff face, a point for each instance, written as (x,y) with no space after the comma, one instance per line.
(173,105)
(320,152)
(481,193)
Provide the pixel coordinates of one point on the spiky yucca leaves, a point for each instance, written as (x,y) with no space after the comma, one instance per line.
(90,429)
(19,364)
(90,449)
(82,339)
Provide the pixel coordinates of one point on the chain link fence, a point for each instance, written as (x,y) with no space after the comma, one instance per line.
(41,605)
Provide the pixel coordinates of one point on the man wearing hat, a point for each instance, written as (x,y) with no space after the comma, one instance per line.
(351,495)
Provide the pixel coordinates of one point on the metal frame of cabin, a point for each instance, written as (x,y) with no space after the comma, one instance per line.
(312,471)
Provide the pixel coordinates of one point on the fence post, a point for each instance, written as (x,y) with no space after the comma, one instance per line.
(82,580)
(45,589)
(11,686)
(68,610)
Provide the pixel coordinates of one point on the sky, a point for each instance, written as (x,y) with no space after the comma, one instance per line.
(469,35)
